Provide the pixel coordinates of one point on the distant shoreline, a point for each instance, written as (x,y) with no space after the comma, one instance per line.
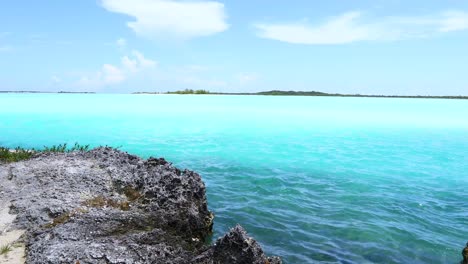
(61,92)
(303,93)
(266,93)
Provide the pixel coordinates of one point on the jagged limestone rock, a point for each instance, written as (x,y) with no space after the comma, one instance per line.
(107,206)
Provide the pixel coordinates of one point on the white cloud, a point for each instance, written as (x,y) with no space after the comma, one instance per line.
(351,27)
(129,64)
(115,74)
(453,21)
(202,83)
(121,43)
(245,78)
(170,18)
(135,72)
(5,48)
(142,61)
(56,79)
(111,74)
(196,68)
(108,75)
(138,63)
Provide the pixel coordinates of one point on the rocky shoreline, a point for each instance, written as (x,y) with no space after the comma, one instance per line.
(107,206)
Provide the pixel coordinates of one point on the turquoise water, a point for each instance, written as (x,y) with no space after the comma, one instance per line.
(337,180)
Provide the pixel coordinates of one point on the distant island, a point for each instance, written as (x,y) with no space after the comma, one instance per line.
(270,93)
(60,92)
(303,93)
(186,91)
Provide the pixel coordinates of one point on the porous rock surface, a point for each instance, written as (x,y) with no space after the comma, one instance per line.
(107,206)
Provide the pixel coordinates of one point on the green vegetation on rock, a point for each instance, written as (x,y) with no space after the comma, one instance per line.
(4,250)
(14,155)
(17,154)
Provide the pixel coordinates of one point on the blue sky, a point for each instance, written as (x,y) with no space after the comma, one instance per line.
(121,46)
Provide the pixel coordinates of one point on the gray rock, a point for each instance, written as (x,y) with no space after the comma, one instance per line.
(236,247)
(106,206)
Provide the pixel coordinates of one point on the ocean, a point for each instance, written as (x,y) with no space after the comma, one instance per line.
(313,179)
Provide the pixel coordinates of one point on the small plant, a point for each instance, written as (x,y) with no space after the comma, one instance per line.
(55,148)
(14,155)
(4,250)
(78,147)
(18,154)
(62,148)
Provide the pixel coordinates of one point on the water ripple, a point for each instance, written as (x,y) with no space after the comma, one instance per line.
(315,180)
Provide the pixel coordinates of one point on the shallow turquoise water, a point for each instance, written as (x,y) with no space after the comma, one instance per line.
(337,180)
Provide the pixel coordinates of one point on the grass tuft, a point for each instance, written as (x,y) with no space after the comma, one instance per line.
(13,155)
(17,154)
(5,249)
(62,148)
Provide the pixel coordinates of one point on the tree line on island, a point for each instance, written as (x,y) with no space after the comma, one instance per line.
(300,93)
(271,93)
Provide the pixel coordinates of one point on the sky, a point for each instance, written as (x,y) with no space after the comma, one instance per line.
(387,47)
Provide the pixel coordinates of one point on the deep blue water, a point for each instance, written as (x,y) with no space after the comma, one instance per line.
(337,180)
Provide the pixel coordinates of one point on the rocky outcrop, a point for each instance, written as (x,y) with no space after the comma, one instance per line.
(106,206)
(236,247)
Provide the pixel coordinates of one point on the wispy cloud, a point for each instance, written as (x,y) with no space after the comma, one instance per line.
(196,81)
(5,48)
(245,78)
(454,21)
(114,74)
(169,18)
(121,43)
(55,79)
(135,72)
(354,26)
